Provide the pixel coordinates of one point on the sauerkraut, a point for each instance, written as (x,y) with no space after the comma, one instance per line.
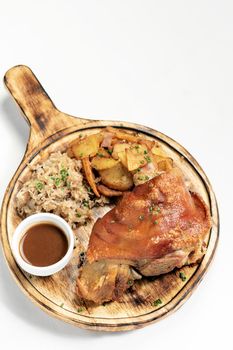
(57,186)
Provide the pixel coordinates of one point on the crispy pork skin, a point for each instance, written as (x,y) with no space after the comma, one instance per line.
(157,227)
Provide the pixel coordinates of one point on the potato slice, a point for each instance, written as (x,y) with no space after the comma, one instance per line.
(165,165)
(137,156)
(88,146)
(148,143)
(117,178)
(108,192)
(102,152)
(122,135)
(123,158)
(119,152)
(89,175)
(119,147)
(158,151)
(101,163)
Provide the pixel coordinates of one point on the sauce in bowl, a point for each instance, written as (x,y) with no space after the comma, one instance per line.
(43,244)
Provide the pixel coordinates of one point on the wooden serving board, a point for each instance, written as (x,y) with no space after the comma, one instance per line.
(52,130)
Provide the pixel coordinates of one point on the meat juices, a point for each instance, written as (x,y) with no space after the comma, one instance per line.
(43,245)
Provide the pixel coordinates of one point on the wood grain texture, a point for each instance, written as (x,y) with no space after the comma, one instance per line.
(52,130)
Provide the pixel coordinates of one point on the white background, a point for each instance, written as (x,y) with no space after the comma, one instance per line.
(165,64)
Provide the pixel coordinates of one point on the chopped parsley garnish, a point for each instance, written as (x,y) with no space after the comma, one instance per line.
(141,217)
(157,211)
(143,178)
(78,215)
(85,203)
(39,186)
(62,304)
(100,155)
(157,302)
(88,189)
(142,162)
(151,208)
(138,170)
(145,152)
(148,159)
(80,309)
(182,276)
(155,222)
(109,151)
(81,154)
(64,174)
(57,181)
(130,282)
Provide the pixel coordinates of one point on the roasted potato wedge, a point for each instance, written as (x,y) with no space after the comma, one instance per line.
(165,164)
(123,158)
(122,135)
(108,192)
(158,151)
(148,143)
(101,163)
(87,146)
(119,152)
(137,156)
(102,152)
(89,175)
(117,178)
(119,147)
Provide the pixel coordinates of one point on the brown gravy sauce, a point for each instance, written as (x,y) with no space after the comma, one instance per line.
(43,245)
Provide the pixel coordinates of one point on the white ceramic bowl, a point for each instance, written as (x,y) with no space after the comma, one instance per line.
(31,221)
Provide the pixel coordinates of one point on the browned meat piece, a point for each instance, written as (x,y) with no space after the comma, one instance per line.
(105,280)
(158,226)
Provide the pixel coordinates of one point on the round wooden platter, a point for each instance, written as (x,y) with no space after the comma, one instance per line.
(52,130)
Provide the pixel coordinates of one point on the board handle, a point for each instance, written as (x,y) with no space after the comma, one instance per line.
(40,112)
